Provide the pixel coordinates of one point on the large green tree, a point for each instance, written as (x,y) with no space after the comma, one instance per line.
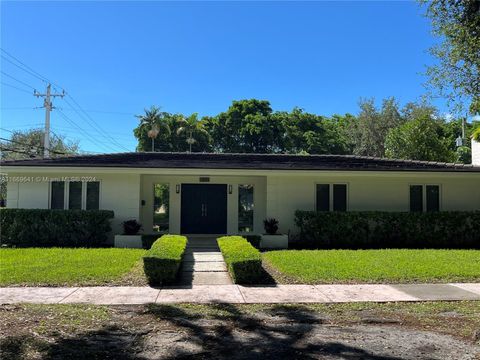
(247,126)
(29,143)
(169,138)
(418,139)
(456,74)
(194,133)
(372,126)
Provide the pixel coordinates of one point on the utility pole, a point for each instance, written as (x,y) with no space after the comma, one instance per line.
(47,104)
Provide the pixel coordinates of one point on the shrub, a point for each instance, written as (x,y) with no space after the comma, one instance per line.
(131,227)
(375,230)
(162,261)
(254,240)
(149,239)
(54,228)
(244,262)
(270,226)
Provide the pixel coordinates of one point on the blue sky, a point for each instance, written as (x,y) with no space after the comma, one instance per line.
(116,58)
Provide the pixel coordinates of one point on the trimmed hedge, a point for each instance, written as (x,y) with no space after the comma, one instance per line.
(244,262)
(54,228)
(162,261)
(149,239)
(254,240)
(376,230)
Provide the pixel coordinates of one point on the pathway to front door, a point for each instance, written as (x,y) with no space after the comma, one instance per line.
(203,263)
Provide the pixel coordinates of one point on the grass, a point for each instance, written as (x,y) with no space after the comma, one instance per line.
(373,266)
(68,267)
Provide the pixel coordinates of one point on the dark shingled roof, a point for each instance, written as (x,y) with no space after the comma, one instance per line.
(242,161)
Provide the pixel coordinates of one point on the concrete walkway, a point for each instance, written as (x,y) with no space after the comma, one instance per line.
(240,294)
(203,263)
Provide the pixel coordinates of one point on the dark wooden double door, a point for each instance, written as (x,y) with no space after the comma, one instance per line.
(204,209)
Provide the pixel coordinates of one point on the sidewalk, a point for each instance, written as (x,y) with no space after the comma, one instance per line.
(240,294)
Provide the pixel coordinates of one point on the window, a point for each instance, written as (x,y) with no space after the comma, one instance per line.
(93,195)
(75,195)
(331,197)
(433,198)
(245,208)
(161,200)
(424,198)
(339,197)
(323,197)
(416,198)
(57,195)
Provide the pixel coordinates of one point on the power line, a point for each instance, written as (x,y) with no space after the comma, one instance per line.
(15,87)
(33,146)
(93,122)
(70,121)
(20,81)
(80,111)
(2,148)
(69,129)
(18,108)
(25,66)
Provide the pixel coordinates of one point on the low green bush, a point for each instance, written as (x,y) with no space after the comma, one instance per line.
(244,262)
(163,260)
(149,239)
(377,230)
(254,240)
(54,228)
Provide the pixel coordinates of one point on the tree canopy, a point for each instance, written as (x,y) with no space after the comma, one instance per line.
(456,75)
(415,131)
(29,143)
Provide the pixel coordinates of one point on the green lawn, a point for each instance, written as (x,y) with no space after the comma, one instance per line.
(57,266)
(373,266)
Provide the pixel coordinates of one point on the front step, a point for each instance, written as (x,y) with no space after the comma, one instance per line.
(203,263)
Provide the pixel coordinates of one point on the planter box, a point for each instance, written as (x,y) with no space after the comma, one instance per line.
(128,241)
(274,242)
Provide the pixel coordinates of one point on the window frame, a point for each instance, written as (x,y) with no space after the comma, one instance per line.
(424,195)
(66,194)
(50,193)
(330,194)
(84,194)
(254,207)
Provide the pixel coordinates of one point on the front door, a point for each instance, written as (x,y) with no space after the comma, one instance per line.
(204,209)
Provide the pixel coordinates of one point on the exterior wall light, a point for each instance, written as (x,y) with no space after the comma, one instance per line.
(177,188)
(230,189)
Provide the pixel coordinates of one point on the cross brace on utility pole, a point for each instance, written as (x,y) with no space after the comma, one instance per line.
(47,104)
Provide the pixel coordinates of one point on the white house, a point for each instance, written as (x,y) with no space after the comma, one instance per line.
(232,193)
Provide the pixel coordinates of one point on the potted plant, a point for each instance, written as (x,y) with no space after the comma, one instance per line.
(272,240)
(130,237)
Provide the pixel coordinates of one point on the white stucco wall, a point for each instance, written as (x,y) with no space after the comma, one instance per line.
(276,194)
(367,192)
(118,193)
(475,152)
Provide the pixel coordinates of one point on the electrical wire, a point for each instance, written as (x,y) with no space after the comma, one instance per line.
(15,87)
(80,111)
(20,81)
(88,137)
(33,146)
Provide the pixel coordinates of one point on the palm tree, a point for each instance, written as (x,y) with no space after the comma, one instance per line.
(191,126)
(153,121)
